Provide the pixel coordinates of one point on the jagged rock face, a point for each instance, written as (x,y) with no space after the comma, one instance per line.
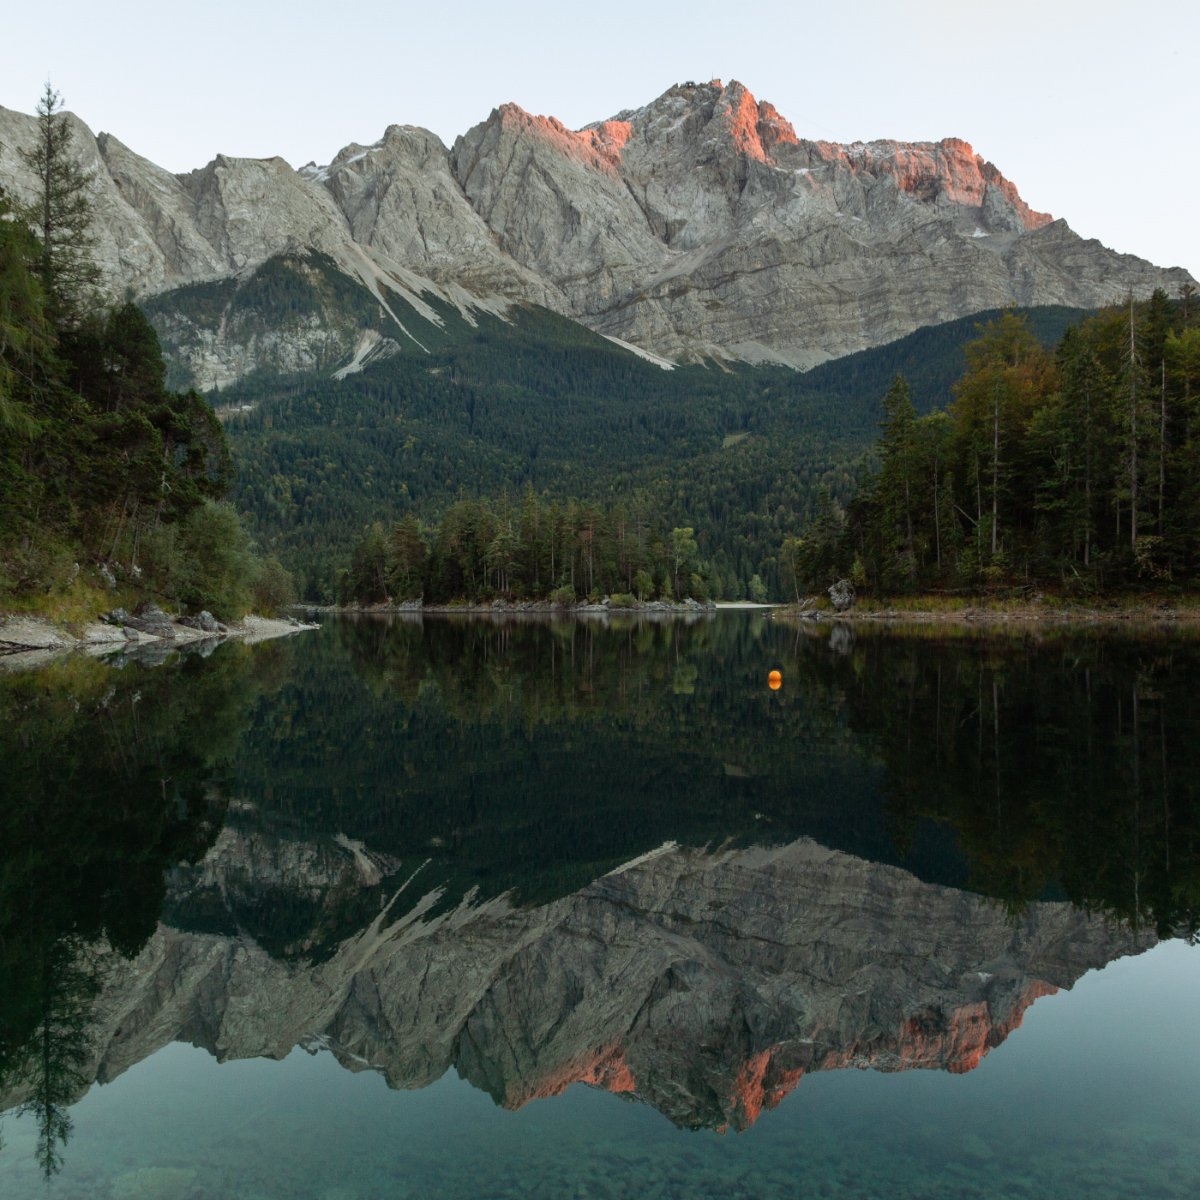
(156,230)
(698,225)
(709,225)
(705,984)
(400,198)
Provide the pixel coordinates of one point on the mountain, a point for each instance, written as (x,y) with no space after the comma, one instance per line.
(706,984)
(700,226)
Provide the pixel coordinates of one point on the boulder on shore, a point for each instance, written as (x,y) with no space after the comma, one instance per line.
(842,595)
(204,621)
(149,618)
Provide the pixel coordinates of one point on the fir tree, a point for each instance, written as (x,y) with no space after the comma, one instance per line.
(61,215)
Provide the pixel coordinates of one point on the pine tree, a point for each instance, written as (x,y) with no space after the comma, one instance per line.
(409,556)
(61,215)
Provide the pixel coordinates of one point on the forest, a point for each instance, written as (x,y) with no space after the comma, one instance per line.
(1074,468)
(112,487)
(532,550)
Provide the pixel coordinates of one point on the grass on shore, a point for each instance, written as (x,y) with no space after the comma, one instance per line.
(1149,605)
(77,604)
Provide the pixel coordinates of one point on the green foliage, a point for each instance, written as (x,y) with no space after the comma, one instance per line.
(1076,468)
(104,471)
(205,561)
(813,560)
(23,330)
(123,472)
(272,587)
(61,215)
(482,550)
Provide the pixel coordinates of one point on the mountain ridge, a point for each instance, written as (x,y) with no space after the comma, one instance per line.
(699,226)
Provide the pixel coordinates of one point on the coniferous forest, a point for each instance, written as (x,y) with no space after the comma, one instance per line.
(529,550)
(1075,468)
(738,453)
(109,481)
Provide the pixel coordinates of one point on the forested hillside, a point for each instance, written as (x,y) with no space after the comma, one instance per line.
(538,401)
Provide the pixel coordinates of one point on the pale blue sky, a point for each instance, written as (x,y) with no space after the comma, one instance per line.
(1092,109)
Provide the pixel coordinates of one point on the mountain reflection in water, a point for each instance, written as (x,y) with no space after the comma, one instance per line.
(548,853)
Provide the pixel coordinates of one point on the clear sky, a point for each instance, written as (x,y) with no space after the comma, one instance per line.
(1091,108)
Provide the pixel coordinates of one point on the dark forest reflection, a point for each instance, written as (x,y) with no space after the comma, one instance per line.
(291,797)
(1065,765)
(109,778)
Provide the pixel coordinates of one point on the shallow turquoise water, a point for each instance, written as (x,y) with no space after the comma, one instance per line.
(1096,1097)
(1094,1094)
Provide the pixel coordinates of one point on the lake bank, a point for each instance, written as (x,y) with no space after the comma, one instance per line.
(978,611)
(28,641)
(518,607)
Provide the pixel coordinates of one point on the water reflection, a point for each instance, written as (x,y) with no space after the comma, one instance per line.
(547,853)
(109,778)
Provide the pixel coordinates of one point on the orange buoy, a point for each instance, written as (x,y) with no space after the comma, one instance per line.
(775,681)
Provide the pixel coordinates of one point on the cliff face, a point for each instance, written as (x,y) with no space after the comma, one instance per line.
(700,224)
(706,984)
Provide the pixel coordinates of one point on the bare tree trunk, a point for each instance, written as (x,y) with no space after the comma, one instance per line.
(908,514)
(937,520)
(995,471)
(978,501)
(1162,443)
(1133,432)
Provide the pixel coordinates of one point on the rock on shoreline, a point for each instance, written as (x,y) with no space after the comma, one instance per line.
(29,641)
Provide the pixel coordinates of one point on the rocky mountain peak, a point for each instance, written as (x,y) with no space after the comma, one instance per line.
(748,121)
(699,225)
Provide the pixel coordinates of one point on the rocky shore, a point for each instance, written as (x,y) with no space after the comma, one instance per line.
(983,614)
(602,607)
(27,641)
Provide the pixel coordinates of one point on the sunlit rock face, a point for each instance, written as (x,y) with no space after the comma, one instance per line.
(701,224)
(704,984)
(755,243)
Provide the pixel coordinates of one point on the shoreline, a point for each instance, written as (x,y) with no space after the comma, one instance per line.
(980,614)
(497,608)
(27,641)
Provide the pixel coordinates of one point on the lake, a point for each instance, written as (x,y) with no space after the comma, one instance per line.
(528,908)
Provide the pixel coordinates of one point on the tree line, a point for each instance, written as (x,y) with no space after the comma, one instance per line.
(1075,467)
(107,477)
(533,549)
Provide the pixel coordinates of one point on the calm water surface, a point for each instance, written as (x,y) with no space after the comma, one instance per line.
(486,909)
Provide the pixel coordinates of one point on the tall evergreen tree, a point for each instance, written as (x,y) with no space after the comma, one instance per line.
(61,215)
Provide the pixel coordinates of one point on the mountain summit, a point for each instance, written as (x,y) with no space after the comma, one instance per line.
(698,225)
